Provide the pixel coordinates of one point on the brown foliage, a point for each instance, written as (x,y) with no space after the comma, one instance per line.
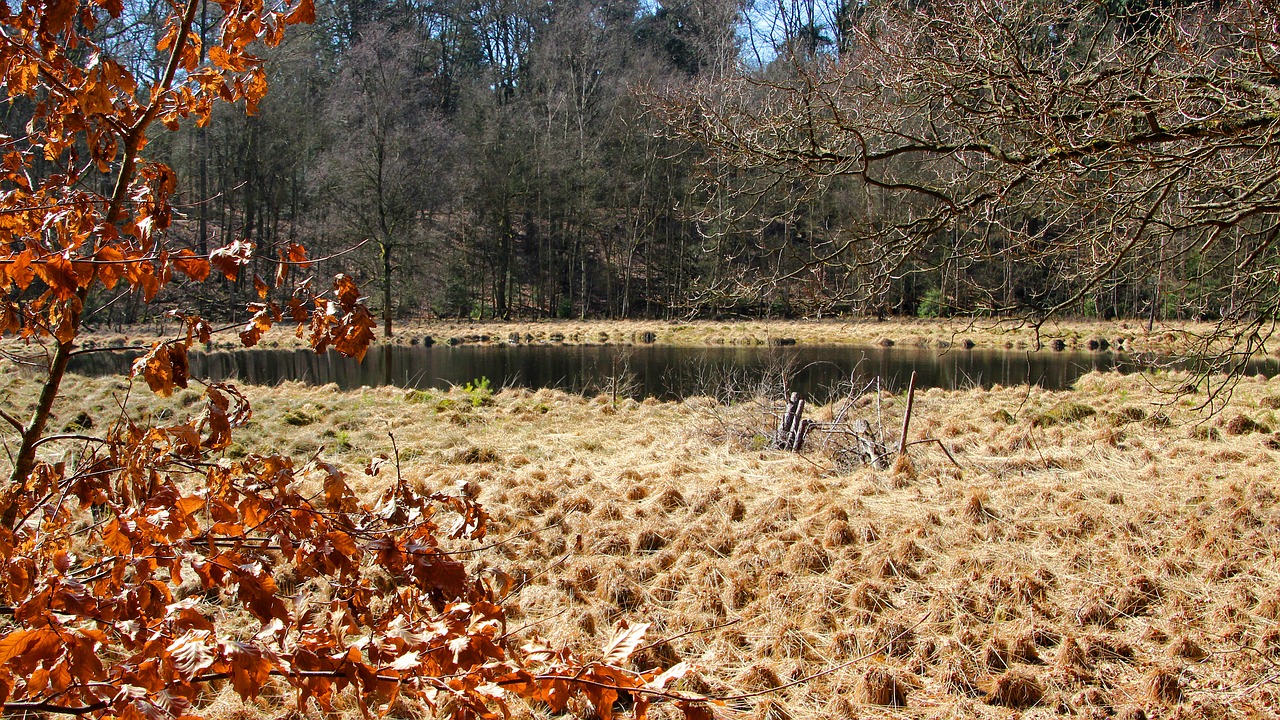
(105,616)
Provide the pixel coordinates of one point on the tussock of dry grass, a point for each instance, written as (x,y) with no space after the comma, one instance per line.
(1016,689)
(1104,565)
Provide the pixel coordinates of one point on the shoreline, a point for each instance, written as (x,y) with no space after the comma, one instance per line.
(1121,336)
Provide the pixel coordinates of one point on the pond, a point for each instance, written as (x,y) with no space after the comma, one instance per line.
(666,372)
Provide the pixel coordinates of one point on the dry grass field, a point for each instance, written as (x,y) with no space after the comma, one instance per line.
(1105,552)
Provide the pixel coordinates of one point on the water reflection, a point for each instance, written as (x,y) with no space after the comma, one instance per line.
(660,371)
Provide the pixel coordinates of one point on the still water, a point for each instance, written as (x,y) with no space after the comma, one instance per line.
(639,371)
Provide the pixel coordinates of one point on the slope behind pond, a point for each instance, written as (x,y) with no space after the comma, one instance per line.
(1085,562)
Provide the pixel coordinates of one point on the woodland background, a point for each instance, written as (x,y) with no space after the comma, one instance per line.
(499,158)
(637,159)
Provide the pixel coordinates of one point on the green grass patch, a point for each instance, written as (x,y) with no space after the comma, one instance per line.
(1063,413)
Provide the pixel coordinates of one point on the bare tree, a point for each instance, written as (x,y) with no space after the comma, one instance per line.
(1098,149)
(389,167)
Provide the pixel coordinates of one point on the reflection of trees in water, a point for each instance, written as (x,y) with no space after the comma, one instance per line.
(731,382)
(613,376)
(726,374)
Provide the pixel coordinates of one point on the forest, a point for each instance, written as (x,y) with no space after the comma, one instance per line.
(712,158)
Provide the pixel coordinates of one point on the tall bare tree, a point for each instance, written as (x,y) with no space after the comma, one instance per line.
(389,166)
(1103,147)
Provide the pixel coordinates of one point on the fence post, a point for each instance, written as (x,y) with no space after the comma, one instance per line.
(906,419)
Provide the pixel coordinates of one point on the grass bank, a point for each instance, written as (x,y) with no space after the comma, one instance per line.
(1103,551)
(1126,336)
(1130,336)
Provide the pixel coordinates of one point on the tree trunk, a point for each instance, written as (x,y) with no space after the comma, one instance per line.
(386,288)
(25,461)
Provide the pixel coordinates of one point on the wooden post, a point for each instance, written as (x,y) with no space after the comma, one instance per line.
(801,433)
(795,419)
(906,419)
(785,426)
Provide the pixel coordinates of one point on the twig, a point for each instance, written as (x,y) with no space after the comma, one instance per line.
(120,349)
(262,544)
(44,706)
(1250,688)
(531,578)
(15,422)
(312,261)
(69,436)
(950,457)
(34,707)
(500,543)
(695,631)
(530,624)
(395,451)
(834,668)
(1027,395)
(721,699)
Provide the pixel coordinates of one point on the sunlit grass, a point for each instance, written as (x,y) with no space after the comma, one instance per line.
(1090,560)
